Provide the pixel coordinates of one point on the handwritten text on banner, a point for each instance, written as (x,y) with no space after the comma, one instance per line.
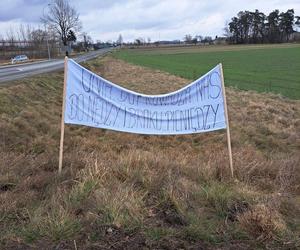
(96,102)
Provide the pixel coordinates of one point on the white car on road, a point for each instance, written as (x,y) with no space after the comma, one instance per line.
(19,58)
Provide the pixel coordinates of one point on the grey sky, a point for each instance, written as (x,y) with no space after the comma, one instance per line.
(167,19)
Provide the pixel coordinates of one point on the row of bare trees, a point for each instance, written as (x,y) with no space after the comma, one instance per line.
(60,28)
(26,33)
(26,39)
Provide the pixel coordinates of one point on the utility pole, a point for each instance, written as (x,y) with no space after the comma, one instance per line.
(46,33)
(48,49)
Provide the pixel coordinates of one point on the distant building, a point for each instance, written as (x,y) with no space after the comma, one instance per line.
(220,40)
(170,42)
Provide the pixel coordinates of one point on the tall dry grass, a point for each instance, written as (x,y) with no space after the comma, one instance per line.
(120,190)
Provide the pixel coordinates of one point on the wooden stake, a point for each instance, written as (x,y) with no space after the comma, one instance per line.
(227,122)
(62,126)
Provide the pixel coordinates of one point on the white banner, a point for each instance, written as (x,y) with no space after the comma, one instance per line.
(96,102)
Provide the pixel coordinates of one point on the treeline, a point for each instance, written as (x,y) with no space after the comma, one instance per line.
(31,41)
(256,27)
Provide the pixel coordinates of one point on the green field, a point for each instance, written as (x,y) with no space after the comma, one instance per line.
(264,68)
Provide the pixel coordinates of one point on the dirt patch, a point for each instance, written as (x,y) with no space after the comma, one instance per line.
(6,187)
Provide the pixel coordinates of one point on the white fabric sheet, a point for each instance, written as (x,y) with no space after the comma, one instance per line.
(94,101)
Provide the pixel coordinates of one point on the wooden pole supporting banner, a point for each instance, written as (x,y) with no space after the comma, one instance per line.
(62,126)
(227,121)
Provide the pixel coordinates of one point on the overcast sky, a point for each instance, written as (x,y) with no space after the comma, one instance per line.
(158,19)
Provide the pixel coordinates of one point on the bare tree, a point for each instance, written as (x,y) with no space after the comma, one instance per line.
(199,38)
(138,41)
(25,32)
(29,30)
(11,36)
(120,40)
(87,41)
(22,32)
(188,38)
(38,37)
(2,42)
(62,17)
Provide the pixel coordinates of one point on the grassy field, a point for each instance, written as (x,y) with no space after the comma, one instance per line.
(263,68)
(127,191)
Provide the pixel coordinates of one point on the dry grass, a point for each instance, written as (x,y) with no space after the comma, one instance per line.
(262,222)
(126,191)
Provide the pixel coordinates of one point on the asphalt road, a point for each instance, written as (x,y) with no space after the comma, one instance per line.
(18,71)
